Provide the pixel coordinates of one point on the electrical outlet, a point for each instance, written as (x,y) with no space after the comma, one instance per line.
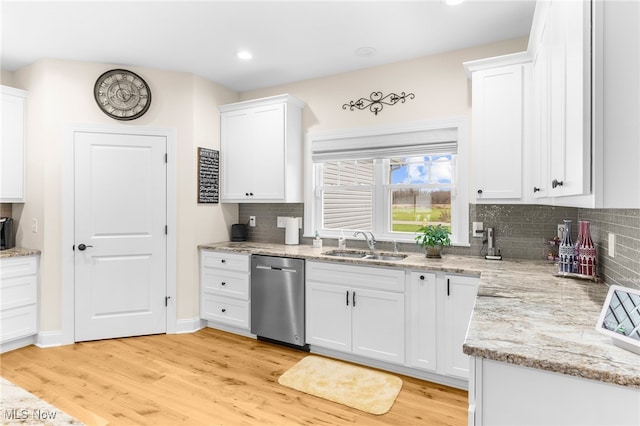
(560,231)
(612,245)
(34,225)
(478,229)
(252,221)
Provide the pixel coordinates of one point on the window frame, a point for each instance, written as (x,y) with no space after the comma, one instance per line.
(354,138)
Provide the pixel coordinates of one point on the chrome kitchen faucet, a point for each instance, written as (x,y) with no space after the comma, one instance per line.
(371,241)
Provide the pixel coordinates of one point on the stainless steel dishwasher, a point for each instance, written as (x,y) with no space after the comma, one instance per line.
(277,299)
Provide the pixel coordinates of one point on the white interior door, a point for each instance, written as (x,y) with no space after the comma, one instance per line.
(120,218)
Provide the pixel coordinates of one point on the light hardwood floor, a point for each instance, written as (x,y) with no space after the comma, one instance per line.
(205,378)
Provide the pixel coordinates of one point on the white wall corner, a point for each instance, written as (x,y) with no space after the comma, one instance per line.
(189,325)
(49,339)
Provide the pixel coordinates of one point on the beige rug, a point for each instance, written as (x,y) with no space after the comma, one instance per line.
(357,387)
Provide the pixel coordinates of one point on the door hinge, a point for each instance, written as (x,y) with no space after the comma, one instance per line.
(166,230)
(166,158)
(166,300)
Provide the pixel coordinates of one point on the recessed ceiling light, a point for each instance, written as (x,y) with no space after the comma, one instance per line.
(244,54)
(365,51)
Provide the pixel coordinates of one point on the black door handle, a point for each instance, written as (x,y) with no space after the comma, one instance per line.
(83,247)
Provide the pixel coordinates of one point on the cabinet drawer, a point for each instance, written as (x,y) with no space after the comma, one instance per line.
(225,261)
(225,310)
(223,283)
(356,276)
(18,322)
(17,291)
(17,266)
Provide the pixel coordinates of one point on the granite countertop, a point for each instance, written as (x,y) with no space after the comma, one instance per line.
(17,252)
(523,314)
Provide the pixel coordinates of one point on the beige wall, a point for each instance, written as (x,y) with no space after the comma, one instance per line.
(61,95)
(6,78)
(438,82)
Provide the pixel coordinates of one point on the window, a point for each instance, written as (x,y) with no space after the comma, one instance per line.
(387,182)
(420,190)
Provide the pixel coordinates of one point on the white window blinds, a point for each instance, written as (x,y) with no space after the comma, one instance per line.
(422,142)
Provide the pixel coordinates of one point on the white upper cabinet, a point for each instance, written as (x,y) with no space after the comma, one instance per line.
(261,150)
(12,158)
(499,118)
(616,102)
(562,100)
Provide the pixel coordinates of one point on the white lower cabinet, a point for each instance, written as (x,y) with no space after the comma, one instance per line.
(458,301)
(422,326)
(360,311)
(356,309)
(440,311)
(501,393)
(224,289)
(18,300)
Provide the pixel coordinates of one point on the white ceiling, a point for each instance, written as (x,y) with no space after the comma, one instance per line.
(290,40)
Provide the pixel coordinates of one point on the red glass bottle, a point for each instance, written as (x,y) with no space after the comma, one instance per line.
(587,255)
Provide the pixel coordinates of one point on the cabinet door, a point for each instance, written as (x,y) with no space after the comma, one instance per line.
(235,155)
(422,321)
(267,153)
(458,305)
(223,283)
(541,70)
(378,325)
(570,139)
(328,316)
(498,123)
(18,297)
(225,310)
(253,154)
(12,147)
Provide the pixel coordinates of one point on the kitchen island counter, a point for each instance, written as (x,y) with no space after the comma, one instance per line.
(523,315)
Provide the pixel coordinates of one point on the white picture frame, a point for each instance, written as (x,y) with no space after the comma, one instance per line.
(620,318)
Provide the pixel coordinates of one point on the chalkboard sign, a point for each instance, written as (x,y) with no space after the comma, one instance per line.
(208,172)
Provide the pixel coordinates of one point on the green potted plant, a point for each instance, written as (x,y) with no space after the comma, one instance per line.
(432,238)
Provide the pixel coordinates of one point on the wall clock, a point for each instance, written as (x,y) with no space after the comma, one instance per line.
(122,94)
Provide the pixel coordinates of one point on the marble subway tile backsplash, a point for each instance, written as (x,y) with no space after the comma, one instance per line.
(624,268)
(266,215)
(521,232)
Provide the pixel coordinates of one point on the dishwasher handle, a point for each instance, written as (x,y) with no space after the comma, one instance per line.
(274,268)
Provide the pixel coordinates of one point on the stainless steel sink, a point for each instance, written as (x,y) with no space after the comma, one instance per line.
(346,253)
(384,256)
(351,254)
